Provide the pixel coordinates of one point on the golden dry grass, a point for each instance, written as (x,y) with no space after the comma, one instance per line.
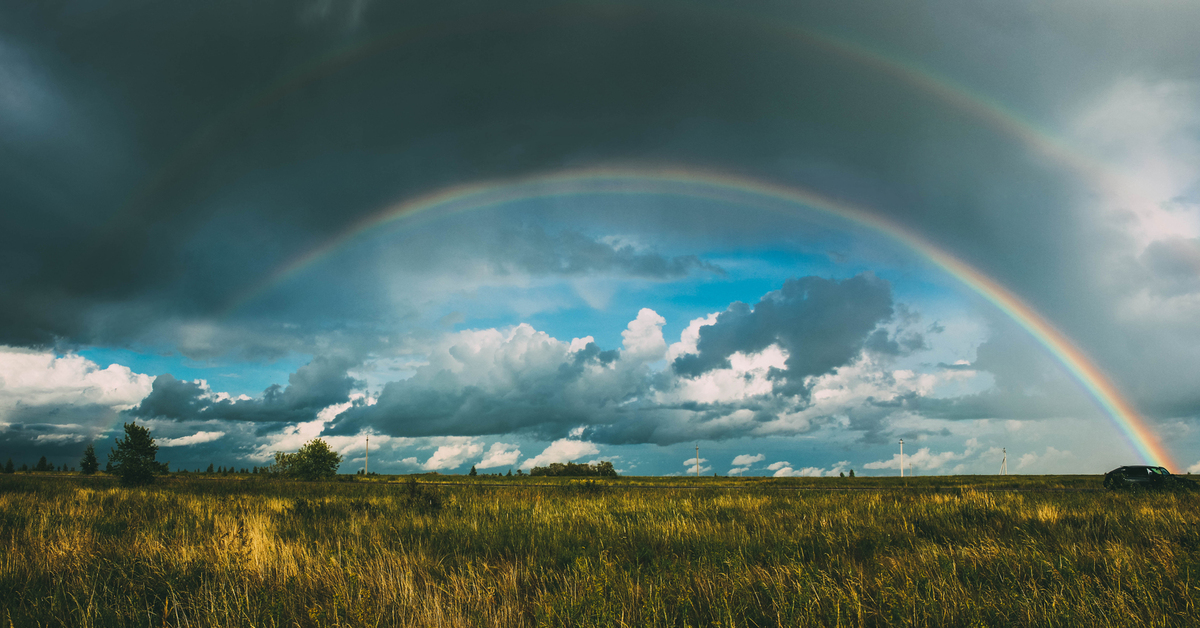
(228,553)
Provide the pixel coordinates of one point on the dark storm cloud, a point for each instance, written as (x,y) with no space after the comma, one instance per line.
(294,127)
(163,158)
(313,387)
(821,323)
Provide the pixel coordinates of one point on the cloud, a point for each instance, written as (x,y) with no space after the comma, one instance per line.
(321,383)
(500,455)
(217,217)
(643,339)
(745,460)
(562,450)
(820,324)
(1052,460)
(691,463)
(40,381)
(452,455)
(182,441)
(923,458)
(785,470)
(493,381)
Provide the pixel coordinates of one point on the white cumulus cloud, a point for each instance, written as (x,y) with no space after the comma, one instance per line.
(746,460)
(453,455)
(39,378)
(500,455)
(643,339)
(193,439)
(562,450)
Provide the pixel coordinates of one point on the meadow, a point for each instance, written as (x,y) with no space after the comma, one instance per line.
(489,551)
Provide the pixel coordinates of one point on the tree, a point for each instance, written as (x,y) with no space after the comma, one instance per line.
(8,468)
(572,469)
(210,469)
(41,464)
(133,458)
(851,472)
(314,461)
(88,463)
(473,472)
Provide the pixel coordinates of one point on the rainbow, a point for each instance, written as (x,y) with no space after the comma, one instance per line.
(726,187)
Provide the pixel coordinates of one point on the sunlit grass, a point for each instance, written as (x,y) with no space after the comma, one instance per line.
(503,553)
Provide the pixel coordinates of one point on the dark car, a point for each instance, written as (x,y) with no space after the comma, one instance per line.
(1143,476)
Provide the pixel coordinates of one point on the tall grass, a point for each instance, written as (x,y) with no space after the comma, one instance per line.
(228,553)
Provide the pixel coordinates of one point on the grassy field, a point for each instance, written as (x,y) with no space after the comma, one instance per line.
(630,552)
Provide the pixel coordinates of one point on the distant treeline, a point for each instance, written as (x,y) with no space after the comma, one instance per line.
(41,467)
(570,469)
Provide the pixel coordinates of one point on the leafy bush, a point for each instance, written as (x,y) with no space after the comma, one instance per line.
(314,461)
(571,469)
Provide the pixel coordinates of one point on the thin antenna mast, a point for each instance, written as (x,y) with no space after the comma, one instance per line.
(901,457)
(697,460)
(367,464)
(1004,463)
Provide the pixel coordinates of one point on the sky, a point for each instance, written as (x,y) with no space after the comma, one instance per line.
(503,235)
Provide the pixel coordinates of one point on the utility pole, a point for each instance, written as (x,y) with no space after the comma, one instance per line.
(1004,463)
(367,464)
(697,461)
(901,457)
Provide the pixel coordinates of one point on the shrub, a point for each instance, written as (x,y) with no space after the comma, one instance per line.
(314,461)
(557,469)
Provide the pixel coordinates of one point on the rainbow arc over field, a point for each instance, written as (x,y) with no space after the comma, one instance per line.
(710,185)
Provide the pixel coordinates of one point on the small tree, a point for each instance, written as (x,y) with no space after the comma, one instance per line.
(41,464)
(8,468)
(314,461)
(851,472)
(133,457)
(210,469)
(473,472)
(88,463)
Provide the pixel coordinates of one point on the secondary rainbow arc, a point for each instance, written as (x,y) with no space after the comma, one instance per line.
(735,188)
